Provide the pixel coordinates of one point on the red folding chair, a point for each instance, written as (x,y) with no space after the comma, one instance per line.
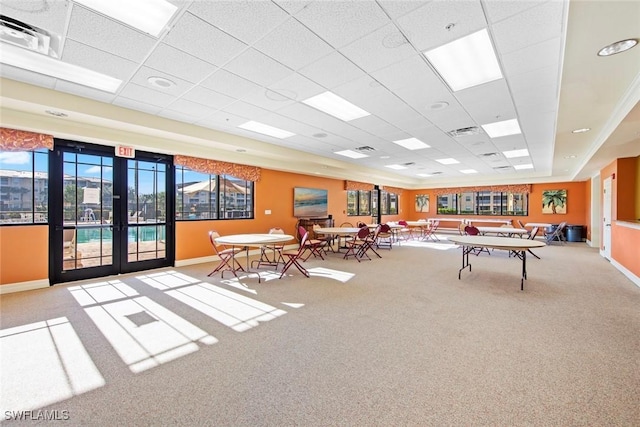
(473,231)
(294,257)
(314,246)
(228,261)
(355,246)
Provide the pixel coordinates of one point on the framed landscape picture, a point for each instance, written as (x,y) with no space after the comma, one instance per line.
(554,202)
(422,203)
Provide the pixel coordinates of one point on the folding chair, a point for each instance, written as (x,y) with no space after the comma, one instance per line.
(227,257)
(473,231)
(370,242)
(314,246)
(354,247)
(294,257)
(385,237)
(555,235)
(270,255)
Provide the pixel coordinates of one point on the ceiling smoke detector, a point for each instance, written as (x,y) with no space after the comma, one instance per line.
(473,130)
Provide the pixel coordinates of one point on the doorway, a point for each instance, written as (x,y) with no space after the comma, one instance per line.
(108,214)
(606,218)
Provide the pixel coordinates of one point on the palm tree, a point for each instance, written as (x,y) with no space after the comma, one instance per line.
(553,199)
(422,200)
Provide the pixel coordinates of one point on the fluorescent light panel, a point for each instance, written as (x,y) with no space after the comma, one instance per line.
(43,64)
(411,143)
(396,167)
(425,175)
(466,62)
(266,129)
(522,167)
(516,153)
(332,104)
(503,128)
(448,161)
(150,16)
(469,171)
(352,154)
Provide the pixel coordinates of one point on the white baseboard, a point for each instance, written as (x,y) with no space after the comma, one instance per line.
(24,286)
(635,279)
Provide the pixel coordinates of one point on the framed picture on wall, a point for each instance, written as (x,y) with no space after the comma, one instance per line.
(554,202)
(422,203)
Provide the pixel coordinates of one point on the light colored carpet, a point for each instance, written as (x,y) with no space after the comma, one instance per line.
(397,341)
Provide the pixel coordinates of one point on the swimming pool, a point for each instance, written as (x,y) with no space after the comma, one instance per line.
(134,234)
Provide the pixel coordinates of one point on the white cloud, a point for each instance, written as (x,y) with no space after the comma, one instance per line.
(15,158)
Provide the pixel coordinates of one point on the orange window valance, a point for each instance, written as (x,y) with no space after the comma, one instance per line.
(354,185)
(20,140)
(215,167)
(394,190)
(514,188)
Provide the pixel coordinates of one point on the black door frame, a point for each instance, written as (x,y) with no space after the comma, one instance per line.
(120,212)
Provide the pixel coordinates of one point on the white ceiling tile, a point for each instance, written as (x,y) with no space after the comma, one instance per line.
(142,75)
(258,68)
(376,126)
(332,70)
(341,22)
(497,10)
(379,49)
(202,40)
(398,8)
(178,63)
(426,26)
(307,47)
(223,81)
(269,99)
(531,58)
(208,97)
(177,116)
(292,6)
(143,94)
(92,29)
(222,120)
(246,20)
(194,110)
(244,109)
(297,87)
(488,103)
(530,27)
(98,60)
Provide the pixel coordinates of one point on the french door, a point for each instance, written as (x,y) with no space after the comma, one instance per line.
(108,214)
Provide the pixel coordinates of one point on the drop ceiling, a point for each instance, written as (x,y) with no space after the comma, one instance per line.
(239,61)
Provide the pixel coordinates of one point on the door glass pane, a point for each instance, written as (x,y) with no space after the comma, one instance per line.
(147,210)
(87,206)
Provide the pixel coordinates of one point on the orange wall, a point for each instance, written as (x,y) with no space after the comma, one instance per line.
(578,209)
(625,248)
(626,188)
(24,253)
(274,192)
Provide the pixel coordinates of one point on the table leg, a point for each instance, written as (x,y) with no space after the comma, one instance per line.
(465,259)
(524,269)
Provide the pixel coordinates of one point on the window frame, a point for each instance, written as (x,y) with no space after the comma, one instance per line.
(483,203)
(35,182)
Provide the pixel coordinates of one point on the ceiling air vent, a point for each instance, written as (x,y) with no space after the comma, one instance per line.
(473,130)
(500,168)
(27,36)
(490,155)
(409,164)
(365,148)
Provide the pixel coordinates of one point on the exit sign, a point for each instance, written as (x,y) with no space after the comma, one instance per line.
(124,151)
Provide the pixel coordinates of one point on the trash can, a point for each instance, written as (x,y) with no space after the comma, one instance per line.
(574,233)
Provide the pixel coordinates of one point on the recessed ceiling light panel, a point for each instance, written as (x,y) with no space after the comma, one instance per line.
(516,153)
(396,167)
(266,130)
(469,171)
(582,130)
(332,104)
(150,16)
(448,161)
(411,143)
(466,62)
(523,167)
(503,128)
(351,154)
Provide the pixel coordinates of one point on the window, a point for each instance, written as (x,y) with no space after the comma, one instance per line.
(205,196)
(24,186)
(484,203)
(359,202)
(388,203)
